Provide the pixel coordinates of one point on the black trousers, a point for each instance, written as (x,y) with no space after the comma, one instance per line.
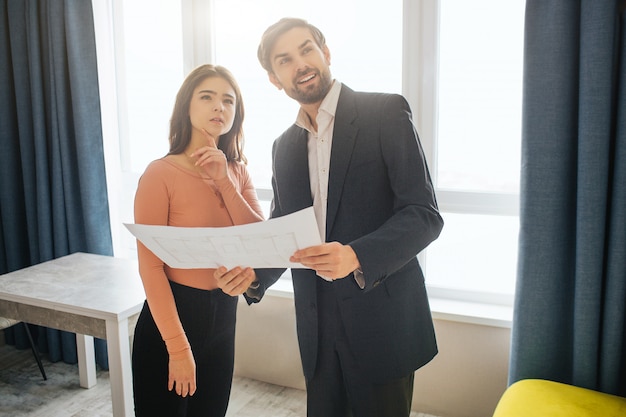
(208,318)
(339,387)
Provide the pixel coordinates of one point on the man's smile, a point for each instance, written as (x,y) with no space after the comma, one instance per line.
(306,78)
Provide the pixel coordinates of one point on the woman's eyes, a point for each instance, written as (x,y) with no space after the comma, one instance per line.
(208,97)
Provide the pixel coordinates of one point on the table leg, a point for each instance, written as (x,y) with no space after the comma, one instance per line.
(120,372)
(86,360)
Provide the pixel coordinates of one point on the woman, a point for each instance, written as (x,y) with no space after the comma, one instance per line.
(183,347)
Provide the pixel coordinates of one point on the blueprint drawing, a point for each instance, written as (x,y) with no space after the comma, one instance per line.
(267,244)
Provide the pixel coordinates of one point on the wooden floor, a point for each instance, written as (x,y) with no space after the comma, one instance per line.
(23,392)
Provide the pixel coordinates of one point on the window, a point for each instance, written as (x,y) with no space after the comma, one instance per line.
(151,73)
(140,65)
(480,95)
(478,145)
(458,63)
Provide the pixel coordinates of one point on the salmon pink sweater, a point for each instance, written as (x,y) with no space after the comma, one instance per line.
(171,195)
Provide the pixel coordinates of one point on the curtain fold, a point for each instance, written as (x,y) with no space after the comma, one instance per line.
(570,316)
(53,198)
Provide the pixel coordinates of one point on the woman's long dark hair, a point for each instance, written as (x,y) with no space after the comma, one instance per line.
(231,142)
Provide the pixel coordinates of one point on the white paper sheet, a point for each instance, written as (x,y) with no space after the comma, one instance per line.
(267,244)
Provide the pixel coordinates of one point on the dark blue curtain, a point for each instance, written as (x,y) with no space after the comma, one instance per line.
(570,316)
(53,198)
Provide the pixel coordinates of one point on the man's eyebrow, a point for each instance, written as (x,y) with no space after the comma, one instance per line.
(305,43)
(278,56)
(301,46)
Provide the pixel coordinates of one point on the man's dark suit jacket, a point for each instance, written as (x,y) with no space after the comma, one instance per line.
(381,202)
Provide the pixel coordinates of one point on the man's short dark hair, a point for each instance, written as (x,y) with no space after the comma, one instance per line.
(272,33)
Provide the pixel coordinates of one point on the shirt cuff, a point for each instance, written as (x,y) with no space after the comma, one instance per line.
(254,290)
(359,278)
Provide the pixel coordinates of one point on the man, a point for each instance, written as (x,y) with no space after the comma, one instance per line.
(363,319)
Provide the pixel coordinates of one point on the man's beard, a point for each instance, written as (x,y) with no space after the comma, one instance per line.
(312,95)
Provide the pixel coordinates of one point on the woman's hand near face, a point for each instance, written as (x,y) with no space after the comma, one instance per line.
(212,160)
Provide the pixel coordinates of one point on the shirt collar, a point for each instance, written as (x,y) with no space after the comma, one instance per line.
(328,105)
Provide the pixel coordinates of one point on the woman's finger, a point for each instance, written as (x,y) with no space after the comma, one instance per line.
(210,139)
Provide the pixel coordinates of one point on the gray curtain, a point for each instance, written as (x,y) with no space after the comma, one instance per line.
(53,198)
(570,316)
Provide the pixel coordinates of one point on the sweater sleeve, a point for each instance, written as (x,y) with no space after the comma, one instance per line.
(243,206)
(152,207)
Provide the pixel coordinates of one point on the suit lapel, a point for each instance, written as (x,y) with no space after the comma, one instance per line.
(295,172)
(344,137)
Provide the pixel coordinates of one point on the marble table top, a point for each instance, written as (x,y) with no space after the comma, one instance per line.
(98,286)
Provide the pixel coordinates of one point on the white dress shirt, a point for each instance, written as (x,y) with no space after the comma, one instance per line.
(319,145)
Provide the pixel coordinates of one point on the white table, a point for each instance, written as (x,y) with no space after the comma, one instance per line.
(90,295)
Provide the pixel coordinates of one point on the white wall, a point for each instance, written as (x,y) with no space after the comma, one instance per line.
(465,379)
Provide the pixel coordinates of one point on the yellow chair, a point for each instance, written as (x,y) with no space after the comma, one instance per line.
(541,398)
